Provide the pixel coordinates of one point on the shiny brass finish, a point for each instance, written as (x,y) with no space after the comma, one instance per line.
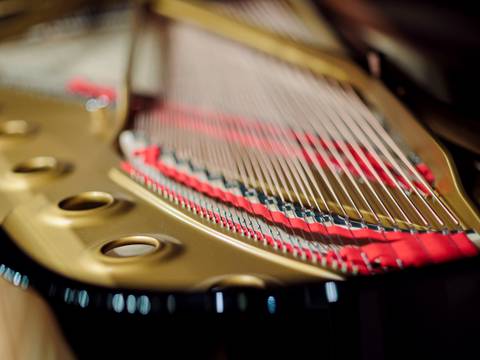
(238,281)
(33,173)
(87,201)
(120,117)
(37,164)
(129,250)
(150,247)
(129,246)
(69,241)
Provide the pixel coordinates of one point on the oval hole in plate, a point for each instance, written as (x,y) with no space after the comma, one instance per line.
(131,246)
(39,164)
(239,281)
(90,200)
(15,128)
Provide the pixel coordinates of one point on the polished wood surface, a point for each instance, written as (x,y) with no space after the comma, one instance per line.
(28,328)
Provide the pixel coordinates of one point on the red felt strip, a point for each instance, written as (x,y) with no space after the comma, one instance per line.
(150,156)
(426,248)
(188,119)
(83,87)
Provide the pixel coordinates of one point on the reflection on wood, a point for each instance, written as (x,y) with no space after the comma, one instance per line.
(28,329)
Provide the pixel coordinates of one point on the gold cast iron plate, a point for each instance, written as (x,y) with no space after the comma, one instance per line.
(73,160)
(70,242)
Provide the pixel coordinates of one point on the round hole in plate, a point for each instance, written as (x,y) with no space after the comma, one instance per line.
(15,128)
(37,164)
(239,281)
(131,246)
(90,200)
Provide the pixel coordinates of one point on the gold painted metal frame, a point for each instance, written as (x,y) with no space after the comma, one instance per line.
(69,242)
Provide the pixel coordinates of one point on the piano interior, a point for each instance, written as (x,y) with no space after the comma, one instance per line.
(240,164)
